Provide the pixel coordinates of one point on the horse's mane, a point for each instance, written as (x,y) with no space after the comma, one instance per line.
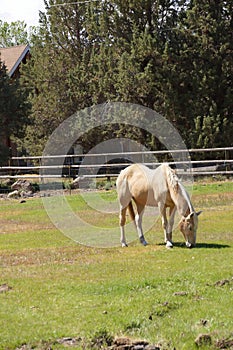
(172,179)
(176,187)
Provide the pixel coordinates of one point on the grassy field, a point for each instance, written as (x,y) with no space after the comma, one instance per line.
(52,288)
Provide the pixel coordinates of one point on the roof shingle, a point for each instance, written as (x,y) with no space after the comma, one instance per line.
(13,56)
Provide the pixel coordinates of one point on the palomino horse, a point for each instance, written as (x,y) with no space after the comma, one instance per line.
(157,188)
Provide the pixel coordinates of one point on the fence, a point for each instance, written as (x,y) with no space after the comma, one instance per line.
(218,161)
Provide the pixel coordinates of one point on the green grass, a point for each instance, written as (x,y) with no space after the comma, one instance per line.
(62,289)
(213,187)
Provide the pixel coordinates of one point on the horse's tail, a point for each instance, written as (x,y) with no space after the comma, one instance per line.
(131,211)
(124,194)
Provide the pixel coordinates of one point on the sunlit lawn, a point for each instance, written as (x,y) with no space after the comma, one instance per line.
(59,288)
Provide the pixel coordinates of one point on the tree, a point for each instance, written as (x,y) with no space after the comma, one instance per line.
(174,56)
(214,71)
(199,82)
(60,72)
(100,51)
(14,33)
(13,110)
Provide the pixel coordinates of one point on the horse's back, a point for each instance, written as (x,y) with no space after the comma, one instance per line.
(135,173)
(145,185)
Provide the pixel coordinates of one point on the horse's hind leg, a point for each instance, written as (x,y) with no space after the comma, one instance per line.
(124,197)
(138,222)
(122,225)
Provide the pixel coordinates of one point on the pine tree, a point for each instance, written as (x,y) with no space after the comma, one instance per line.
(173,56)
(214,71)
(13,111)
(199,88)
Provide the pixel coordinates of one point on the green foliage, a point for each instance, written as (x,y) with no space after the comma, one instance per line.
(212,53)
(13,110)
(14,33)
(210,130)
(172,56)
(101,339)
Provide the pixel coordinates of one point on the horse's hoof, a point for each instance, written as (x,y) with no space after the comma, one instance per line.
(143,241)
(169,245)
(124,245)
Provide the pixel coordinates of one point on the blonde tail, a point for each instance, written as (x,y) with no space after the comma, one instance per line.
(131,211)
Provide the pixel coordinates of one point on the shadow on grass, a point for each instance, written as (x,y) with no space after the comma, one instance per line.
(203,245)
(200,245)
(212,245)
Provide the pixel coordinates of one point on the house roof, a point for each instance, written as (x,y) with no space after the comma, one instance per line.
(13,56)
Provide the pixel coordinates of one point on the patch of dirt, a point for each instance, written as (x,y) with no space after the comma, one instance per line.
(222,283)
(203,340)
(182,293)
(122,343)
(125,343)
(69,341)
(5,288)
(224,344)
(43,345)
(38,194)
(16,226)
(42,256)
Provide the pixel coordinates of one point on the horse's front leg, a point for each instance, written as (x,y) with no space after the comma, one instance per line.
(172,212)
(138,222)
(167,235)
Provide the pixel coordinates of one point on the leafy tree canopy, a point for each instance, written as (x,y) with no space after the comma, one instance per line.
(14,33)
(173,56)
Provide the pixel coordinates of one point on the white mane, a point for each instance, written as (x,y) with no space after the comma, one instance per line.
(175,185)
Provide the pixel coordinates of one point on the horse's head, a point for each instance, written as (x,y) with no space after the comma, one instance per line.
(188,226)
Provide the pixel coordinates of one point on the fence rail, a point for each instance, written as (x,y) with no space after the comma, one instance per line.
(208,167)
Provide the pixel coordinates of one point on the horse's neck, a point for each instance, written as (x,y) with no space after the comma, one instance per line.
(184,205)
(178,193)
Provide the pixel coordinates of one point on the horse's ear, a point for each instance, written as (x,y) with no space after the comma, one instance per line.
(199,212)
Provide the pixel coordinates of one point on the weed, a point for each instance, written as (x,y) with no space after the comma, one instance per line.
(101,338)
(133,325)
